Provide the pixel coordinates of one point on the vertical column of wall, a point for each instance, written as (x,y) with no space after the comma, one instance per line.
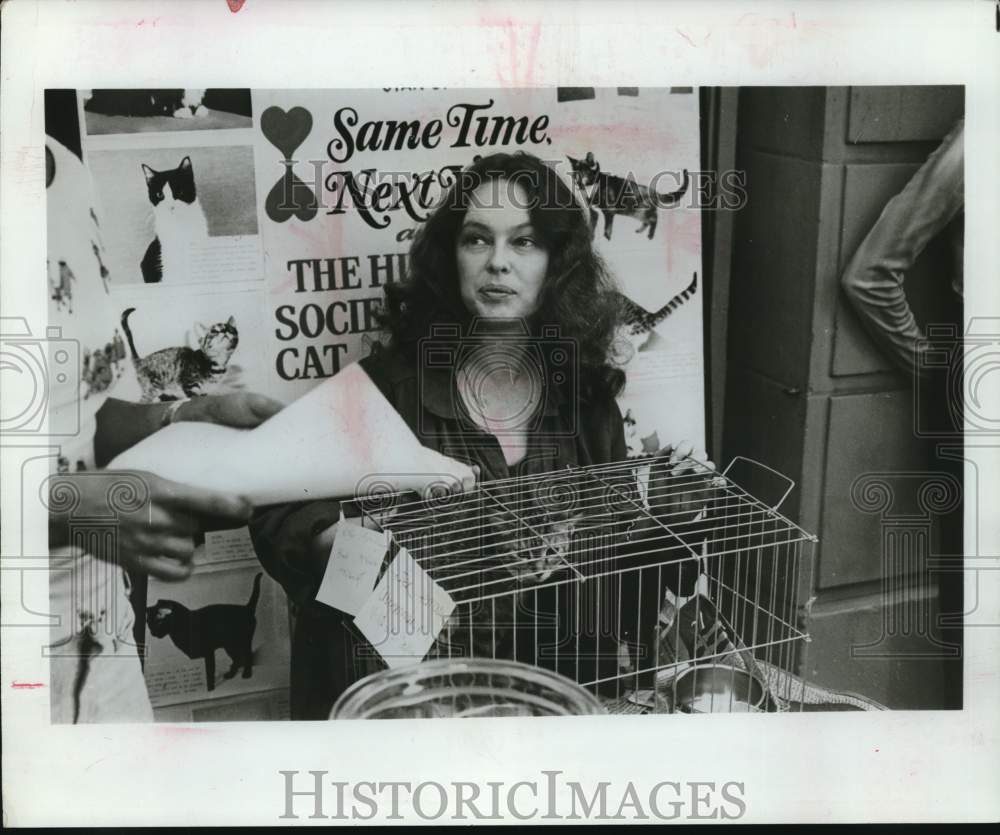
(807,391)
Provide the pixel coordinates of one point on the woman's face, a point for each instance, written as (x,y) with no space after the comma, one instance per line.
(501,262)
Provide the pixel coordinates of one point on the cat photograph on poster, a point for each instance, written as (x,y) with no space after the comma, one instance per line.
(182,371)
(221,635)
(179,215)
(637,182)
(200,345)
(146,111)
(199,633)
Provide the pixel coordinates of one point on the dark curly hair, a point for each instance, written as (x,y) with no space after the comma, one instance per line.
(578,295)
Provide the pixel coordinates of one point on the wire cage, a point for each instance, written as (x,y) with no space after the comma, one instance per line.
(656,585)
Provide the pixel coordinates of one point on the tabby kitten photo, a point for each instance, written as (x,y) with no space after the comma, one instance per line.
(636,324)
(179,221)
(179,373)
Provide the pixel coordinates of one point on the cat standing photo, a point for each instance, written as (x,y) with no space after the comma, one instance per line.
(612,195)
(198,633)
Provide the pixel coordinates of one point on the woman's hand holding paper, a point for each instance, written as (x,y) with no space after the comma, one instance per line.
(444,474)
(439,474)
(334,441)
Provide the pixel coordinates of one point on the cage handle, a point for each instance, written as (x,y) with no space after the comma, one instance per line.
(782,476)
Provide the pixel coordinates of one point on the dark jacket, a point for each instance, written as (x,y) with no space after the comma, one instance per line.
(327,654)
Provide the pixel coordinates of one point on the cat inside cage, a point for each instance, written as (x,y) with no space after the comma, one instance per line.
(695,613)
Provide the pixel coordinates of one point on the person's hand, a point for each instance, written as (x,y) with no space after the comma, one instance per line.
(241,410)
(438,474)
(443,474)
(315,526)
(682,493)
(681,484)
(156,522)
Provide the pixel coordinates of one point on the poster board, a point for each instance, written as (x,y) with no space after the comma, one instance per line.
(307,202)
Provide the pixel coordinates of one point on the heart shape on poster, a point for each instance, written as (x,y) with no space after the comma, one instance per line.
(290,197)
(286,131)
(235,5)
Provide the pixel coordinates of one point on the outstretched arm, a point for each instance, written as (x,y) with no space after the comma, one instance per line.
(157,535)
(873,280)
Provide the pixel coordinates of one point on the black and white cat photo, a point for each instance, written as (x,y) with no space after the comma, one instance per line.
(174,109)
(177,215)
(181,104)
(179,221)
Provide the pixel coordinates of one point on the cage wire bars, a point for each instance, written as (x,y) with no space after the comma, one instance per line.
(653,590)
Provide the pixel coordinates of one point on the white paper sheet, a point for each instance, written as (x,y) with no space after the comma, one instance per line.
(337,438)
(405,614)
(351,572)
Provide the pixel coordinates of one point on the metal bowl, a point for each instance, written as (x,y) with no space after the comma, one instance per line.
(466,688)
(718,688)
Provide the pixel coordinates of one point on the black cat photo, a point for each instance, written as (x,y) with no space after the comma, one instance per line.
(613,195)
(198,633)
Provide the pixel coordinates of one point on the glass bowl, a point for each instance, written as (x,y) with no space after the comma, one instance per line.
(464,688)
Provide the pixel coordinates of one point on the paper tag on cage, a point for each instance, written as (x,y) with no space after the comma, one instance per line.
(351,571)
(405,614)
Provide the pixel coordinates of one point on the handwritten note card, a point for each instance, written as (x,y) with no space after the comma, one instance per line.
(406,612)
(228,546)
(355,560)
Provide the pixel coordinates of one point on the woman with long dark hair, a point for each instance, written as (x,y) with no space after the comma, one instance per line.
(576,296)
(499,354)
